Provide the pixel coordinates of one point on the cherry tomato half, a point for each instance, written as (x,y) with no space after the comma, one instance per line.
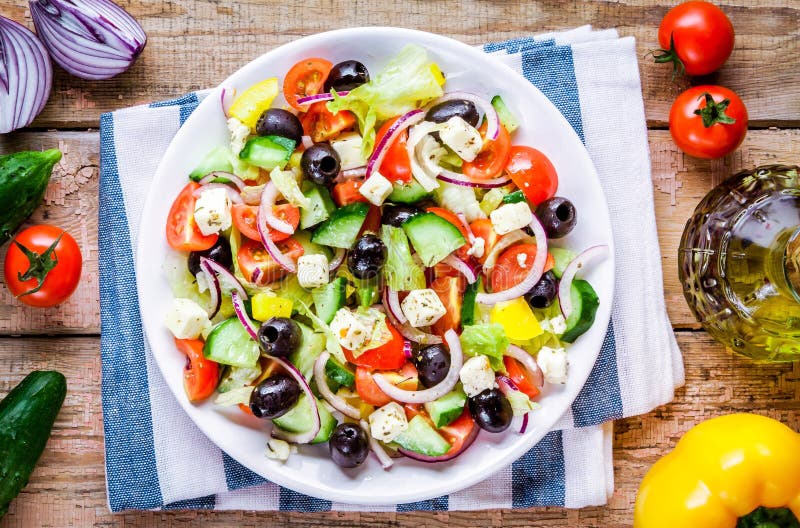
(201,375)
(521,377)
(388,356)
(183,233)
(305,78)
(245,218)
(456,433)
(322,124)
(253,256)
(708,121)
(450,291)
(533,173)
(346,192)
(508,272)
(492,158)
(483,228)
(406,378)
(395,165)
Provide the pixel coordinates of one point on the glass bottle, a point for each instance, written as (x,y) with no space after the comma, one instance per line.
(740,263)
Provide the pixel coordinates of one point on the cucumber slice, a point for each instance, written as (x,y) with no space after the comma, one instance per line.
(341,229)
(468,305)
(298,420)
(230,344)
(320,205)
(562,259)
(267,152)
(421,438)
(217,159)
(447,408)
(407,193)
(507,119)
(433,237)
(514,197)
(338,373)
(584,309)
(329,298)
(311,346)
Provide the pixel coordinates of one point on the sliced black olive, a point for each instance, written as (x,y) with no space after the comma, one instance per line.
(491,410)
(279,122)
(456,107)
(557,215)
(433,363)
(349,445)
(543,292)
(395,215)
(320,163)
(367,258)
(279,336)
(220,252)
(346,76)
(274,396)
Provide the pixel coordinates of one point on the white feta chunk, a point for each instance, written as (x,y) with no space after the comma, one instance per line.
(212,211)
(387,422)
(351,329)
(558,325)
(510,217)
(553,362)
(476,375)
(461,137)
(522,259)
(239,132)
(478,248)
(348,147)
(278,449)
(312,271)
(376,189)
(422,307)
(186,319)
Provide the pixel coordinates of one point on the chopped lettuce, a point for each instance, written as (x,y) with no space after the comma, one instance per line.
(401,272)
(487,339)
(406,82)
(492,200)
(286,182)
(459,199)
(234,397)
(520,403)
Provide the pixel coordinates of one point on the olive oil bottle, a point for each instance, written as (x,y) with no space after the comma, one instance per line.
(740,263)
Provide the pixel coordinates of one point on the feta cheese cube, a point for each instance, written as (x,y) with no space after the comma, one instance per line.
(186,319)
(212,211)
(312,271)
(348,147)
(351,329)
(376,189)
(278,449)
(558,324)
(387,422)
(239,132)
(510,217)
(461,137)
(553,363)
(476,375)
(478,248)
(422,307)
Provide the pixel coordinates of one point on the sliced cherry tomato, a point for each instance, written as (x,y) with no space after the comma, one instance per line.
(453,219)
(305,78)
(322,124)
(388,356)
(482,228)
(201,375)
(182,231)
(458,431)
(395,165)
(492,158)
(507,272)
(245,218)
(533,173)
(43,266)
(253,256)
(521,377)
(346,192)
(406,378)
(708,121)
(451,292)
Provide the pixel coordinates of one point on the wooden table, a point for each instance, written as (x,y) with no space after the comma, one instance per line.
(194,44)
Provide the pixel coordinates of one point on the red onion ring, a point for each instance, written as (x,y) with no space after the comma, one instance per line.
(338,258)
(356,172)
(470,235)
(460,179)
(337,402)
(575,265)
(283,261)
(316,98)
(530,279)
(473,434)
(489,113)
(225,99)
(402,123)
(507,386)
(413,334)
(266,214)
(308,436)
(251,194)
(232,178)
(307,142)
(438,390)
(232,194)
(227,281)
(527,361)
(462,267)
(504,242)
(377,448)
(213,291)
(524,426)
(241,314)
(407,349)
(391,301)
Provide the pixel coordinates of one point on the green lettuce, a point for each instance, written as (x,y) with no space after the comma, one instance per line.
(401,272)
(487,339)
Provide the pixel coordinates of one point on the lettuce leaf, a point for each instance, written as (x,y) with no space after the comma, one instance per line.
(401,272)
(487,339)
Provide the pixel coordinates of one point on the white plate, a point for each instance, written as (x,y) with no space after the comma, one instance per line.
(312,472)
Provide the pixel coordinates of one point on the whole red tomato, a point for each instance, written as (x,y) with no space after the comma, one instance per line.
(696,36)
(42,266)
(708,121)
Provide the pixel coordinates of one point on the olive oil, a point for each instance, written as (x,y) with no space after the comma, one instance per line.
(740,263)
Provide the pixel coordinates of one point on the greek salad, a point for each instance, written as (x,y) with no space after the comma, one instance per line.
(375,263)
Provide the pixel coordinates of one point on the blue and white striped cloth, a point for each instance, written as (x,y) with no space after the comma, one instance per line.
(157,458)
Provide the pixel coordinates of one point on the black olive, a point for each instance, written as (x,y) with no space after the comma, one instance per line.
(220,253)
(320,163)
(279,122)
(433,363)
(395,215)
(346,76)
(349,445)
(274,396)
(456,107)
(557,215)
(491,410)
(366,259)
(543,292)
(279,336)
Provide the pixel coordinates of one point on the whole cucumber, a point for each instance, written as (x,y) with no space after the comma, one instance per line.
(27,414)
(23,180)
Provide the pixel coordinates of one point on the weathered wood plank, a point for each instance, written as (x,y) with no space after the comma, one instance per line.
(182,34)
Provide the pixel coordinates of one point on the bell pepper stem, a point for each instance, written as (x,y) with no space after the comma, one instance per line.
(769,518)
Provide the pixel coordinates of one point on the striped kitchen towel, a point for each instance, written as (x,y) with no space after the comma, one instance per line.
(153,449)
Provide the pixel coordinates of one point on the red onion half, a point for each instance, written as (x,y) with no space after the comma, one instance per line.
(578,263)
(413,334)
(391,301)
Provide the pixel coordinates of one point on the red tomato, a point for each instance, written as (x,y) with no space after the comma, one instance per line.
(491,159)
(182,231)
(346,192)
(451,292)
(708,121)
(43,266)
(507,272)
(395,165)
(322,124)
(533,173)
(406,379)
(696,37)
(245,218)
(388,356)
(456,432)
(252,255)
(201,375)
(521,377)
(307,77)
(453,219)
(482,228)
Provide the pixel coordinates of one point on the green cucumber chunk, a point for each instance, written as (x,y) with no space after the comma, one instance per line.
(338,373)
(298,420)
(433,237)
(311,346)
(407,193)
(514,197)
(217,159)
(341,229)
(267,152)
(367,291)
(468,305)
(320,205)
(329,298)
(447,408)
(230,344)
(237,377)
(507,119)
(421,438)
(562,257)
(584,309)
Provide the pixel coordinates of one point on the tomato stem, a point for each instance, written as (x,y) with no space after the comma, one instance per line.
(714,112)
(39,265)
(670,55)
(763,517)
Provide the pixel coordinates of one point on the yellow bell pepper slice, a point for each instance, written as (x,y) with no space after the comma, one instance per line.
(517,319)
(739,466)
(268,306)
(249,106)
(437,73)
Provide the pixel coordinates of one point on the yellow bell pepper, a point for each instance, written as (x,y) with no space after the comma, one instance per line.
(267,306)
(517,319)
(740,468)
(249,106)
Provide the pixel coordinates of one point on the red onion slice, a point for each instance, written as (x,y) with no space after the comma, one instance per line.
(227,281)
(307,142)
(226,97)
(527,361)
(251,194)
(483,105)
(316,98)
(504,242)
(533,276)
(284,261)
(438,390)
(308,436)
(462,267)
(232,194)
(266,214)
(385,460)
(391,300)
(413,334)
(459,179)
(407,349)
(241,314)
(578,263)
(213,291)
(232,178)
(338,258)
(337,402)
(356,172)
(470,235)
(524,426)
(403,122)
(507,386)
